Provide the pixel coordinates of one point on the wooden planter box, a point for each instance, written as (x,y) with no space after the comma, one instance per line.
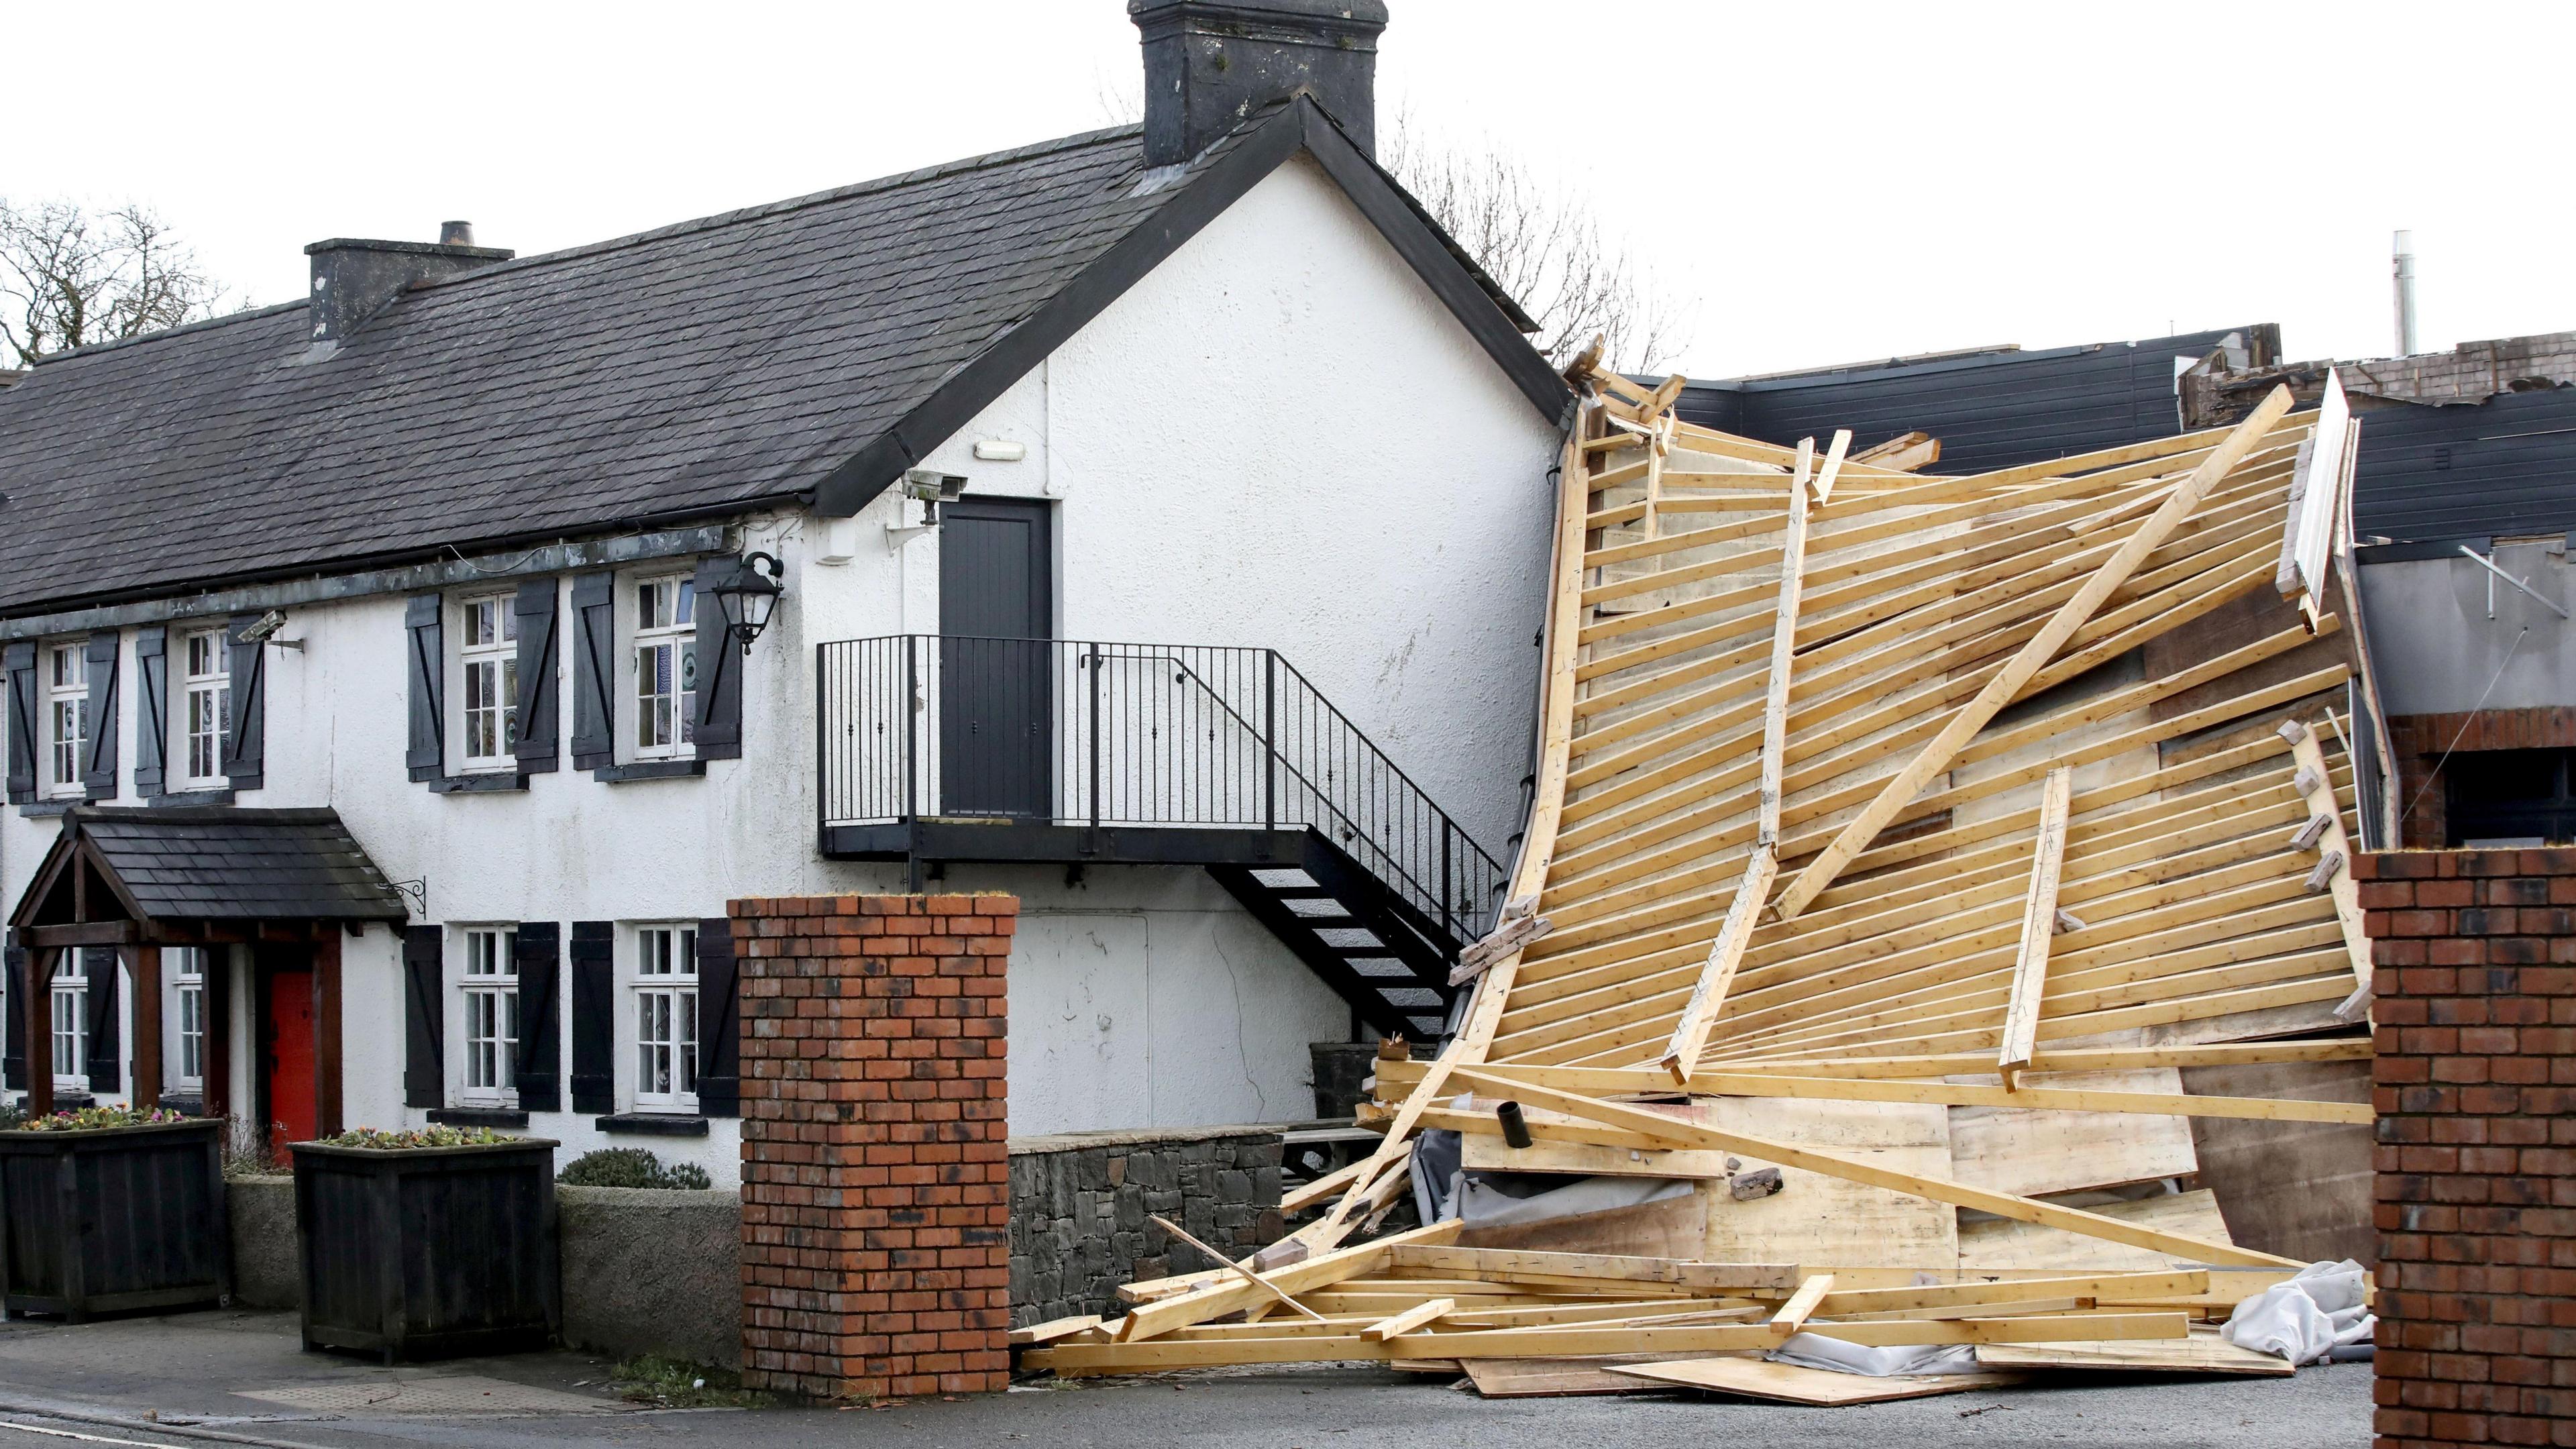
(113,1220)
(428,1252)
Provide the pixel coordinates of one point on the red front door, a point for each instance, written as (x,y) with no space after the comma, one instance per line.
(289,1057)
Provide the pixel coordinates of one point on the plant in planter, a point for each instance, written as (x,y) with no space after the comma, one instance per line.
(108,1210)
(632,1167)
(427,1243)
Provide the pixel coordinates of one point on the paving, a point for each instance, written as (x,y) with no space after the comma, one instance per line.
(189,1381)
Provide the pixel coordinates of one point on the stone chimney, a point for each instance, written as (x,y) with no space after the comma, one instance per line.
(354,279)
(1210,63)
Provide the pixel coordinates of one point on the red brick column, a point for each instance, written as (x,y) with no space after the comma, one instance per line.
(875,1180)
(2476,1092)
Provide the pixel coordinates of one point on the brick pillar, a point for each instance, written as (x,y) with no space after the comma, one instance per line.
(2476,1094)
(875,1179)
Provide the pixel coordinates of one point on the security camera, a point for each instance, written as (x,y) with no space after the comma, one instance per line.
(932,486)
(265,631)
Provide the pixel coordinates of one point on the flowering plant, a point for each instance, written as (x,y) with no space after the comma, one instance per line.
(91,1119)
(379,1140)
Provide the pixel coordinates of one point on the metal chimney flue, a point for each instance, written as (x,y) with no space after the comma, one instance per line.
(456,233)
(2404,265)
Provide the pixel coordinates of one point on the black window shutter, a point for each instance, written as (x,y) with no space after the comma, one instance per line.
(719,724)
(719,996)
(98,772)
(18,661)
(106,1070)
(593,952)
(540,748)
(246,742)
(151,710)
(13,1038)
(427,756)
(540,958)
(594,665)
(424,1018)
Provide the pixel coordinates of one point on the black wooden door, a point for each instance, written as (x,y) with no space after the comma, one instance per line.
(996,624)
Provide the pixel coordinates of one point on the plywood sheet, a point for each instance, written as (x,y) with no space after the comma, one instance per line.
(1554,1378)
(2300,1189)
(1481,1153)
(1674,1227)
(2001,1243)
(1820,1219)
(1755,1378)
(2034,1153)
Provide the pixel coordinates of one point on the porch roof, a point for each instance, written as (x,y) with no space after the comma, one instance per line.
(214,864)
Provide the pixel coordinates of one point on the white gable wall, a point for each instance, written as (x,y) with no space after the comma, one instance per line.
(1278,439)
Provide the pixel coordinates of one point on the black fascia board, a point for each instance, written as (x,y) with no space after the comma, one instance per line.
(1253,154)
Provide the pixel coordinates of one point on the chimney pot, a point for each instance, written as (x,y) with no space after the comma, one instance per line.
(1210,63)
(456,233)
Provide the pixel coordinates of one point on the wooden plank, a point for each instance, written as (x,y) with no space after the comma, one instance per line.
(1721,1338)
(1832,470)
(2026,1247)
(1698,1277)
(1549,1378)
(1053,1329)
(1708,997)
(1974,1293)
(1217,1299)
(1275,1293)
(2321,800)
(1793,1315)
(2038,926)
(1306,1195)
(1935,757)
(1419,1315)
(1956,1194)
(2202,1353)
(1788,1383)
(2036,1153)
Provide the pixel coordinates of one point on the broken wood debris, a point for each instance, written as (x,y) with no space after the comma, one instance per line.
(2049,836)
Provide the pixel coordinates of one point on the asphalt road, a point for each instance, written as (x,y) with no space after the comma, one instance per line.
(201,1380)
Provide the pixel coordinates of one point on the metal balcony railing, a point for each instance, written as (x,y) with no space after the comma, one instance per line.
(1065,732)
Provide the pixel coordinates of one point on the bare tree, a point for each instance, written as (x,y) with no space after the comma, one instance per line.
(70,277)
(1544,244)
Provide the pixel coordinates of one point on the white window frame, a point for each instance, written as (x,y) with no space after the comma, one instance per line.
(205,707)
(487,675)
(66,717)
(487,995)
(187,973)
(67,1016)
(662,992)
(665,636)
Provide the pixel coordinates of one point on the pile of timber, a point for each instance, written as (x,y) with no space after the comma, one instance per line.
(1900,841)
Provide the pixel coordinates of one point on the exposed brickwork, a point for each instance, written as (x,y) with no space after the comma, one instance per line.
(2475,1081)
(2419,741)
(875,1181)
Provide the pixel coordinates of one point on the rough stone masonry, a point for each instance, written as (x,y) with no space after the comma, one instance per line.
(875,1181)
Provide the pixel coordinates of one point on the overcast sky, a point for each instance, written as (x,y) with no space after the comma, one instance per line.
(1826,182)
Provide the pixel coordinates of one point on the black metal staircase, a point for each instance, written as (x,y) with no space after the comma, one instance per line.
(934,749)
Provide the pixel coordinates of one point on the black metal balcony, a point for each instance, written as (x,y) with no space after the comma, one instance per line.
(935,748)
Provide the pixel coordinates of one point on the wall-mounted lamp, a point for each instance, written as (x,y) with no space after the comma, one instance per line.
(749,596)
(264,631)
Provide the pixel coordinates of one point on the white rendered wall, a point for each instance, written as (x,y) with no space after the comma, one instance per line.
(1277,439)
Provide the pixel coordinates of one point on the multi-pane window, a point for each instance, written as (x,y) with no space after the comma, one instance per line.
(70,1024)
(491,657)
(66,717)
(208,705)
(666,1019)
(666,666)
(491,1014)
(188,979)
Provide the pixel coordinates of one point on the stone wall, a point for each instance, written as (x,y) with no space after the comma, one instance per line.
(2475,1084)
(1080,1202)
(875,1184)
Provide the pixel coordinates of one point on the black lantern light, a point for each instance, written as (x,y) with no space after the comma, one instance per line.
(749,596)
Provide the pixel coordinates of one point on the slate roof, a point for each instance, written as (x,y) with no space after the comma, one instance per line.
(692,372)
(232,865)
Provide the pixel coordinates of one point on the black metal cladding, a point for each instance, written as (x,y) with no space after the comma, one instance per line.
(2504,467)
(1135,735)
(1995,410)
